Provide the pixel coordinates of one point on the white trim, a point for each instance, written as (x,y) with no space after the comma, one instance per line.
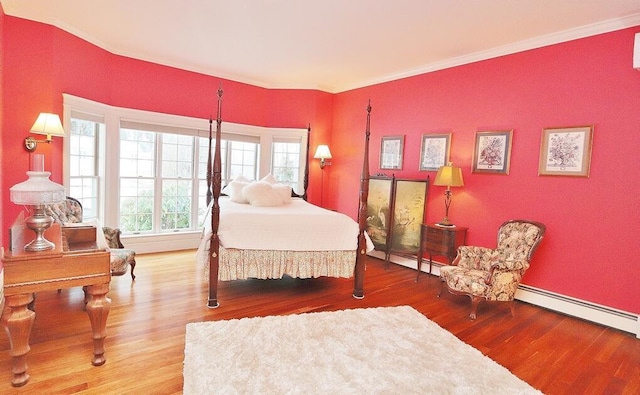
(113,116)
(521,46)
(149,244)
(599,314)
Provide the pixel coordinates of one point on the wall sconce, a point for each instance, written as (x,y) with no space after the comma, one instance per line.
(323,153)
(47,124)
(36,192)
(448,176)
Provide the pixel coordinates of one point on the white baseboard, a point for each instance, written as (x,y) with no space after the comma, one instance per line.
(607,316)
(142,244)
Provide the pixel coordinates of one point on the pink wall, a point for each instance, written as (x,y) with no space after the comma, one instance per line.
(591,221)
(589,251)
(41,62)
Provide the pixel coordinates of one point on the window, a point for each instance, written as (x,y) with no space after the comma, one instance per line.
(84,179)
(286,161)
(146,173)
(137,180)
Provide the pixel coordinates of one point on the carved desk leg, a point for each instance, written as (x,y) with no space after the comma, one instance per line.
(18,321)
(98,308)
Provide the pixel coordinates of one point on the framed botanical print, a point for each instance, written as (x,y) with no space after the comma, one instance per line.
(492,152)
(391,149)
(566,151)
(435,151)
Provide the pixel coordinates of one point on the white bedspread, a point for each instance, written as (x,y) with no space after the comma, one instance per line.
(297,226)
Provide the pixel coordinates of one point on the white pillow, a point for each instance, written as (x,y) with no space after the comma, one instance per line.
(284,191)
(262,194)
(270,179)
(234,189)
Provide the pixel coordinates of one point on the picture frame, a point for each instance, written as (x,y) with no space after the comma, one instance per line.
(391,149)
(396,209)
(409,208)
(379,210)
(492,152)
(434,151)
(566,151)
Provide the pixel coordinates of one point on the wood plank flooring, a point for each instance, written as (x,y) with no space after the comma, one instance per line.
(145,340)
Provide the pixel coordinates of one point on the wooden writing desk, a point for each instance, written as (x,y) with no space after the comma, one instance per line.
(26,273)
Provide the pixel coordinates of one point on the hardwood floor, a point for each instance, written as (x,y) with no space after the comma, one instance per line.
(146,327)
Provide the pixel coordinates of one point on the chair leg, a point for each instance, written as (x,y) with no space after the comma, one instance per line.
(512,306)
(475,301)
(133,266)
(441,287)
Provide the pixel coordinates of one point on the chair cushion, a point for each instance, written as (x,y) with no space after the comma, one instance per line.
(516,239)
(120,259)
(470,281)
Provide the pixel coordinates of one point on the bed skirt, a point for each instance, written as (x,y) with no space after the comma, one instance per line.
(236,264)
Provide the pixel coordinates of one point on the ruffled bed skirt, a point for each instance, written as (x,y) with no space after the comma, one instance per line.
(238,264)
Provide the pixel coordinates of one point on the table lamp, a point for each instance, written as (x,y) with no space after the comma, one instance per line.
(37,191)
(448,176)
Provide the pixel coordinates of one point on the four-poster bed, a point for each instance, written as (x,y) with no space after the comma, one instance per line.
(253,237)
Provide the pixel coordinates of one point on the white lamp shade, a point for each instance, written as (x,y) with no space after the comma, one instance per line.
(322,152)
(49,125)
(38,189)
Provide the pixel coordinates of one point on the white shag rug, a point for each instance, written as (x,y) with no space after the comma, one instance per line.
(386,350)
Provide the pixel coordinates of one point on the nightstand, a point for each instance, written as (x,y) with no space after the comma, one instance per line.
(440,241)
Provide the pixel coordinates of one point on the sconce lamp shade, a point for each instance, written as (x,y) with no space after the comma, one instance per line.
(322,152)
(449,176)
(47,124)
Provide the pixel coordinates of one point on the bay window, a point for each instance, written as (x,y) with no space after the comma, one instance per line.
(145,172)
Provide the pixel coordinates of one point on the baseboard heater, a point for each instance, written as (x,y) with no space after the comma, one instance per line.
(588,311)
(603,315)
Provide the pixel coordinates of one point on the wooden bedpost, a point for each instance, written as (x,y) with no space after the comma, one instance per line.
(209,168)
(305,183)
(361,254)
(214,248)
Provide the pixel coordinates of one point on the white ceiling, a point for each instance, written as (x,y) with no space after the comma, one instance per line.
(331,45)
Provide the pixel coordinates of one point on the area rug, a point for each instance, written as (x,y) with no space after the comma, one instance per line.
(386,350)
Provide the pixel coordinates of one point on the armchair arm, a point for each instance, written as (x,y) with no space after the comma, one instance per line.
(113,237)
(510,264)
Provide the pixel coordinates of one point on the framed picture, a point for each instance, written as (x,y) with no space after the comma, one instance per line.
(566,151)
(492,153)
(435,151)
(391,152)
(379,210)
(408,214)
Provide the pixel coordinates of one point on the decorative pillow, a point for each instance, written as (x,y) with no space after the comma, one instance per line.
(262,194)
(234,189)
(284,191)
(270,179)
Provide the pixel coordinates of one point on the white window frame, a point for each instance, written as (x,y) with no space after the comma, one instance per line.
(109,153)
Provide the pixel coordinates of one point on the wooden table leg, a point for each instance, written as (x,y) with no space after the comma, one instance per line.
(18,321)
(98,308)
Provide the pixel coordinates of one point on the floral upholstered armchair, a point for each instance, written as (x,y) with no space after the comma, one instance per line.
(493,274)
(70,211)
